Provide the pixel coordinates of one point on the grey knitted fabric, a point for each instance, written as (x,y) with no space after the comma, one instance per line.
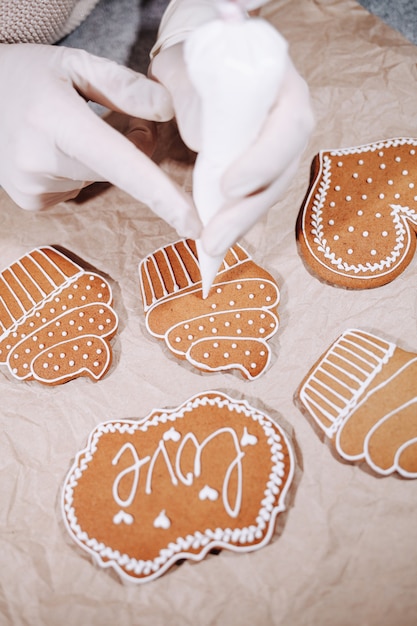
(399,14)
(40,21)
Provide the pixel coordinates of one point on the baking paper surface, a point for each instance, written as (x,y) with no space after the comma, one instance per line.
(346,550)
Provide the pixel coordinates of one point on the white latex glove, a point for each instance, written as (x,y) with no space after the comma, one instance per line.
(260,176)
(52,144)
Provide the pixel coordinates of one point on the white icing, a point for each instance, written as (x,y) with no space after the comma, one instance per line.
(236,68)
(312,221)
(123,517)
(162,521)
(203,540)
(322,400)
(208,493)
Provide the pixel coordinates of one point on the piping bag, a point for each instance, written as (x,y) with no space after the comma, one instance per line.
(236,65)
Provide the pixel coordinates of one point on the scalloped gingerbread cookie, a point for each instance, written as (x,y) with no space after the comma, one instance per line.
(56,319)
(227,330)
(358,224)
(211,474)
(363,394)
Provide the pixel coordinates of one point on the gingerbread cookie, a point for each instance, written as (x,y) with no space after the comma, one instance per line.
(363,395)
(358,224)
(227,330)
(56,319)
(212,473)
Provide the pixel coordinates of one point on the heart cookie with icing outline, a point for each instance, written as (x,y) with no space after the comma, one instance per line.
(56,319)
(227,330)
(358,224)
(211,474)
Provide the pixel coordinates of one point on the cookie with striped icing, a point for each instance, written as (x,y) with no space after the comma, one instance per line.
(363,394)
(210,474)
(56,319)
(358,224)
(229,329)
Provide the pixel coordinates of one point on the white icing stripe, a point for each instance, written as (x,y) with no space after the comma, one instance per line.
(358,384)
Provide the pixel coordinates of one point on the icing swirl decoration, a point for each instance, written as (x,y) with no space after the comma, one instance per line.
(212,473)
(357,227)
(230,328)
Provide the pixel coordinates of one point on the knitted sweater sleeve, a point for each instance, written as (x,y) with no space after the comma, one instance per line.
(41,21)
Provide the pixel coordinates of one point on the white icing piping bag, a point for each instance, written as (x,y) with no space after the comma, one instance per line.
(236,65)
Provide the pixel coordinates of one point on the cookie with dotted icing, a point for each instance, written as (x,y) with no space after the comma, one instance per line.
(358,224)
(211,474)
(56,319)
(363,394)
(229,329)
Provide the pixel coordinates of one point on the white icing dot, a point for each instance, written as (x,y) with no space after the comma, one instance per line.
(251,296)
(384,233)
(83,297)
(355,175)
(364,197)
(43,320)
(75,348)
(369,180)
(360,213)
(351,229)
(25,366)
(62,355)
(52,310)
(226,355)
(331,222)
(250,322)
(360,162)
(70,296)
(348,198)
(390,182)
(56,368)
(71,322)
(332,204)
(80,328)
(337,188)
(234,345)
(262,353)
(215,344)
(32,324)
(339,164)
(98,351)
(100,327)
(253,365)
(41,346)
(373,252)
(75,286)
(64,307)
(177,339)
(91,320)
(239,286)
(378,215)
(99,295)
(34,338)
(239,331)
(37,314)
(396,196)
(268,298)
(45,365)
(101,311)
(365,233)
(247,352)
(381,196)
(190,337)
(412,151)
(232,302)
(206,355)
(64,333)
(211,319)
(227,324)
(350,251)
(261,331)
(85,357)
(214,331)
(380,153)
(382,166)
(336,237)
(238,316)
(96,363)
(398,159)
(58,324)
(218,290)
(27,350)
(411,185)
(214,306)
(71,363)
(261,286)
(186,326)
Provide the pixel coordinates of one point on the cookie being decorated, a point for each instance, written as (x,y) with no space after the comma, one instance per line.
(358,224)
(227,330)
(210,474)
(56,319)
(363,394)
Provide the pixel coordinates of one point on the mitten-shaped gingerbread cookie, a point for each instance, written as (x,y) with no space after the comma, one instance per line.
(56,319)
(143,495)
(357,227)
(227,330)
(363,395)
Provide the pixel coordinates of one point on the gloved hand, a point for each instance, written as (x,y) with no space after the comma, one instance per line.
(260,176)
(53,144)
